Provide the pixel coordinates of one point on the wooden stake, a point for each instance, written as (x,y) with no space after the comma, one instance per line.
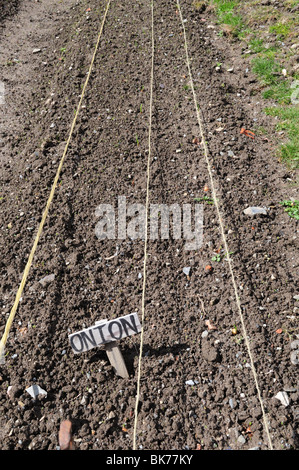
(115,356)
(116,359)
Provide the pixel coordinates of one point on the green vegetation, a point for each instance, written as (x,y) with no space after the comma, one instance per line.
(227,15)
(292,208)
(266,68)
(288,122)
(256,45)
(205,199)
(262,28)
(282,30)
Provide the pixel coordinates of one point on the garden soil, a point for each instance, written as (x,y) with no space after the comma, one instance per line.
(203,386)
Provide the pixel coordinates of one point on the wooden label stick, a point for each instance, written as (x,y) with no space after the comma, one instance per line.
(115,356)
(116,359)
(107,333)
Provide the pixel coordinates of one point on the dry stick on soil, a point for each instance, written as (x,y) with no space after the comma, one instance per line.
(146,226)
(40,229)
(202,306)
(215,197)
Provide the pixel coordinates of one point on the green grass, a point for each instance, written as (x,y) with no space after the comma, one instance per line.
(279,89)
(239,17)
(266,69)
(280,92)
(282,30)
(226,14)
(224,6)
(269,71)
(288,121)
(256,45)
(292,3)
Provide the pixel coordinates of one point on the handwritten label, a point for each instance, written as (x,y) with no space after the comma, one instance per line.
(105,332)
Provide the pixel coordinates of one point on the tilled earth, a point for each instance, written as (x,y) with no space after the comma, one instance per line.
(199,388)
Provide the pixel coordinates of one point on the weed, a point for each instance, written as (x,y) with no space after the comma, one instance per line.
(218,257)
(291,208)
(205,199)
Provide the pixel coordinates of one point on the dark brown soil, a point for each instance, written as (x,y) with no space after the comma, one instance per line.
(107,158)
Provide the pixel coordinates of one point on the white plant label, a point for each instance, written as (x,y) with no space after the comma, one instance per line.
(105,332)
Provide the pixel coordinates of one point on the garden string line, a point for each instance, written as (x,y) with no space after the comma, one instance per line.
(46,210)
(146,227)
(221,225)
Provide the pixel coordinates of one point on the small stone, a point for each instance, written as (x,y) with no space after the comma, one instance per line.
(241,439)
(231,69)
(255,210)
(210,325)
(189,382)
(36,51)
(65,435)
(35,391)
(47,279)
(295,352)
(186,271)
(111,415)
(283,398)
